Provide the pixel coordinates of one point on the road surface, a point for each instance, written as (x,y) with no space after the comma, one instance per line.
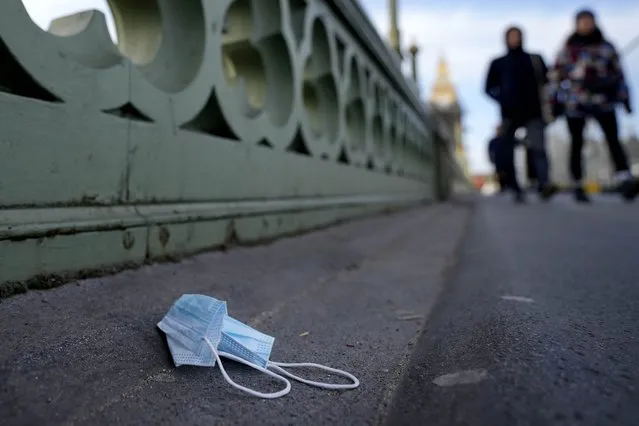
(539,324)
(478,314)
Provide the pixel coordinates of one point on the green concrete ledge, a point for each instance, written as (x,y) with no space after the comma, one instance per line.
(95,241)
(263,119)
(82,200)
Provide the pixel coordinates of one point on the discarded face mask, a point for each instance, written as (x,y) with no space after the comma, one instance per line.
(199,331)
(189,321)
(255,347)
(245,342)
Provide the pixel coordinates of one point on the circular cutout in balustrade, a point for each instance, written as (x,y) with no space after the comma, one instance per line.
(243,65)
(297,10)
(380,124)
(378,136)
(393,144)
(43,14)
(280,88)
(355,82)
(86,26)
(355,110)
(138,24)
(151,33)
(135,30)
(258,64)
(400,158)
(400,141)
(165,38)
(391,147)
(319,88)
(356,125)
(313,109)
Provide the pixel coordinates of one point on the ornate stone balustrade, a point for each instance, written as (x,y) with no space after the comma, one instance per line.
(211,121)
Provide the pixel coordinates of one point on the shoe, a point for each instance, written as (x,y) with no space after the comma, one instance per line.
(520,198)
(629,189)
(547,192)
(581,196)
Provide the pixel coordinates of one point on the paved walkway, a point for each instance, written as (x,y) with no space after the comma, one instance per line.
(532,319)
(354,297)
(539,324)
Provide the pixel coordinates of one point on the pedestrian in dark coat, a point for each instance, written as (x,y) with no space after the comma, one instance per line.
(515,81)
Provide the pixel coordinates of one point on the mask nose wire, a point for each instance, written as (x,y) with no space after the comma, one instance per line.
(278,366)
(252,392)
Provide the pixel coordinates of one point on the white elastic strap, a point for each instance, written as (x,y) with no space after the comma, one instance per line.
(252,392)
(278,366)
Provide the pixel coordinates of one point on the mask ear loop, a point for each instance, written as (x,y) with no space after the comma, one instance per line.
(278,366)
(252,392)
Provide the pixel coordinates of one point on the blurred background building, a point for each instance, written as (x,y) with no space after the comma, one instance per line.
(443,98)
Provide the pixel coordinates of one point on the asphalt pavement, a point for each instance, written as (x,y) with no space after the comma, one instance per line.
(469,313)
(539,325)
(354,297)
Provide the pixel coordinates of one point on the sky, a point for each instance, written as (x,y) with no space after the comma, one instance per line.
(468,33)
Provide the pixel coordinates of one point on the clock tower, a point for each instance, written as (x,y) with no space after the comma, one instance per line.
(444,100)
(443,92)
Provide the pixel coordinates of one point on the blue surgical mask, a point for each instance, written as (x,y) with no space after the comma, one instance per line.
(199,331)
(245,342)
(191,319)
(193,328)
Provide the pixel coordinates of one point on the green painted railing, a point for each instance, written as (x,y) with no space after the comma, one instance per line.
(212,122)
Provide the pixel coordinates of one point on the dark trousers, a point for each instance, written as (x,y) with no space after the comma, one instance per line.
(501,181)
(608,123)
(506,165)
(536,149)
(531,171)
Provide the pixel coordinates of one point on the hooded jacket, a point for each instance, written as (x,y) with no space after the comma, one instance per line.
(587,77)
(514,81)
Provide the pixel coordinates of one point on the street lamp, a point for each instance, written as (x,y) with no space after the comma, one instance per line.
(413,49)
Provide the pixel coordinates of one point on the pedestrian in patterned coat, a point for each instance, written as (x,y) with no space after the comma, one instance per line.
(587,81)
